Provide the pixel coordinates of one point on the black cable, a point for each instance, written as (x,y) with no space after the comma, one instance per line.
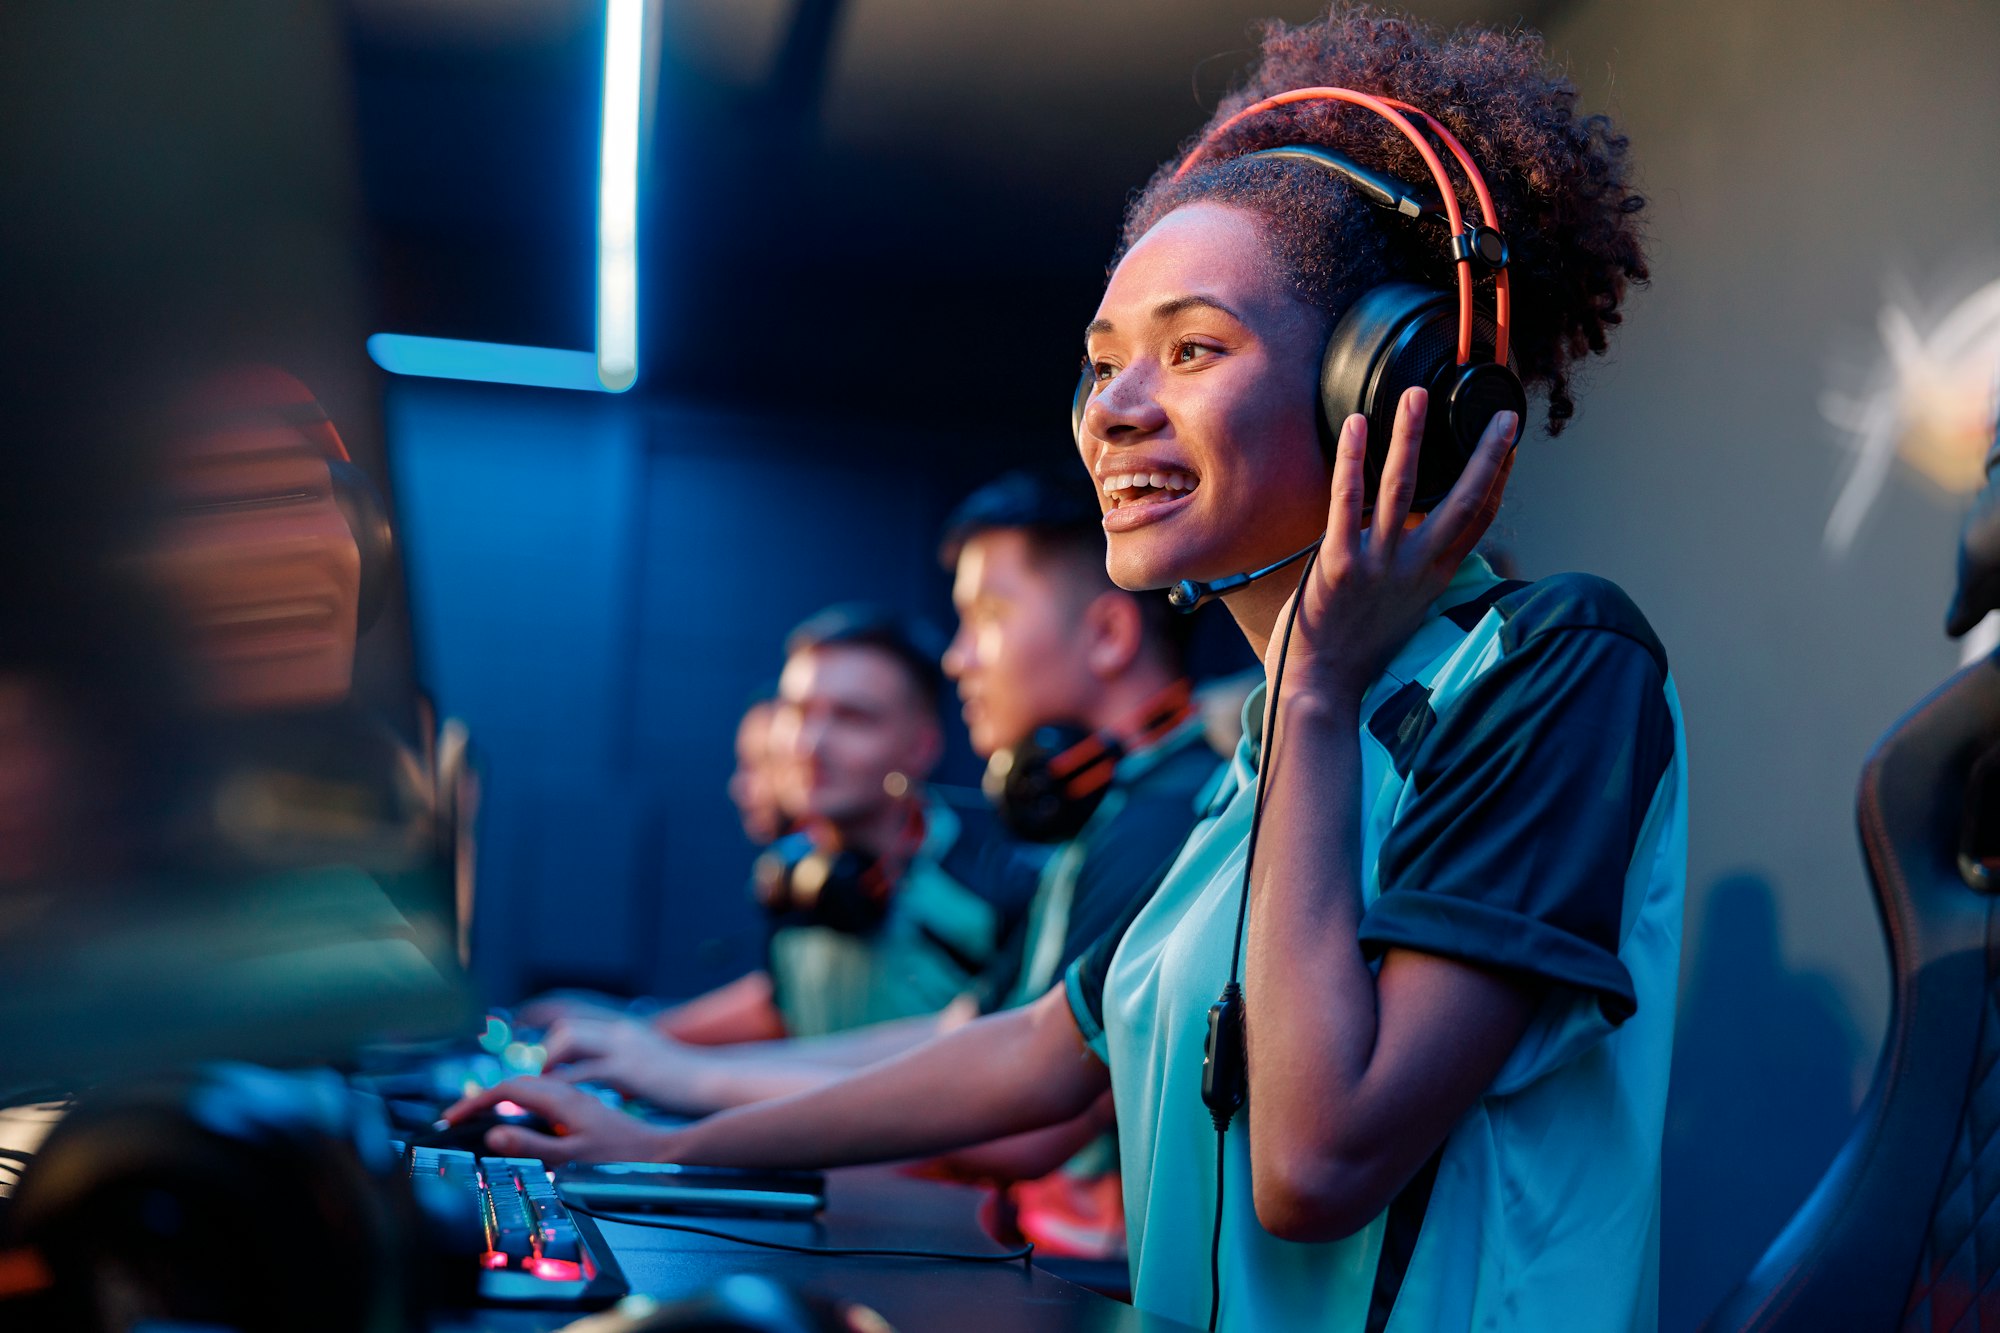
(1264,757)
(838,1251)
(1215,1242)
(17,1154)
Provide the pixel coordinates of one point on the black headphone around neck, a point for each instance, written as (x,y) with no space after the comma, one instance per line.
(1047,787)
(808,880)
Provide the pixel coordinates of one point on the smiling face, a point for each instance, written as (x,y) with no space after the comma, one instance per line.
(848,718)
(1201,427)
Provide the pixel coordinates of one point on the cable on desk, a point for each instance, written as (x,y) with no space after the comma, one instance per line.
(837,1251)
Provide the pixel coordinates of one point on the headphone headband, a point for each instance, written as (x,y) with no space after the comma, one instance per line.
(1392,110)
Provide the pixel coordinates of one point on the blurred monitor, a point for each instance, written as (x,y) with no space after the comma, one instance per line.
(220,833)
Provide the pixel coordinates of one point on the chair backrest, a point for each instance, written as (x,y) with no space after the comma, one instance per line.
(1903,1232)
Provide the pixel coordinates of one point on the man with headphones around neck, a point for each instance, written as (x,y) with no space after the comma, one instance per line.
(883,901)
(1058,672)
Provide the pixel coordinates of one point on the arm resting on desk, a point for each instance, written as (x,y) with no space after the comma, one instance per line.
(1027,1156)
(744,1010)
(1014,1072)
(700,1080)
(1017,1071)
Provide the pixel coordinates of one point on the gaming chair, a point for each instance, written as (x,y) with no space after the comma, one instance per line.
(1903,1231)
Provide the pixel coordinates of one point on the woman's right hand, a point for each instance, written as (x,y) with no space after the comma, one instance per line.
(1374,577)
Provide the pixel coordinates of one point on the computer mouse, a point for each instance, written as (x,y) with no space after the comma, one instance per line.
(469,1134)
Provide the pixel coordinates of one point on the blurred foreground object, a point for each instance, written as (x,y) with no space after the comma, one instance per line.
(1978,555)
(1897,1234)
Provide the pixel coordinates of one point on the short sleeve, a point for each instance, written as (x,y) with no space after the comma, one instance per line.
(1129,857)
(1528,794)
(990,988)
(1083,983)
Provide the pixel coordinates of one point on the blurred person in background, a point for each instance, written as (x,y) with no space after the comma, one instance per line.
(1047,647)
(884,902)
(755,786)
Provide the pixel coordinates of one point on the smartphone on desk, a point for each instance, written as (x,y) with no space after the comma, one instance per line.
(717,1191)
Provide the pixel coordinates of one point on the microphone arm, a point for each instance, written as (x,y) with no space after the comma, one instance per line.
(1188,594)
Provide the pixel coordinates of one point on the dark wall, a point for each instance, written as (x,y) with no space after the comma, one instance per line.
(602,585)
(1804,161)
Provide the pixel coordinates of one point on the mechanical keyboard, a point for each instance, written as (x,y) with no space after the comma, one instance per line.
(537,1251)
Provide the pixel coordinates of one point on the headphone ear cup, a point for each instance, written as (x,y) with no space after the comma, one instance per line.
(1399,336)
(368,519)
(1046,788)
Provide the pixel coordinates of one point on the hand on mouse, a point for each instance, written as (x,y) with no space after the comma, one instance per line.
(586,1130)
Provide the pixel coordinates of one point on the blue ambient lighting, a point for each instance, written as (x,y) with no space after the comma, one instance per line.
(618,197)
(494,363)
(614,367)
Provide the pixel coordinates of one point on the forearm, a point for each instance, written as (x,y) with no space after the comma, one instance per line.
(1309,994)
(743,1010)
(731,1076)
(837,1051)
(1356,1076)
(1003,1075)
(1032,1155)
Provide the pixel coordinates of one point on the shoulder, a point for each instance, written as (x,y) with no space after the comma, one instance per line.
(1182,773)
(1571,603)
(981,856)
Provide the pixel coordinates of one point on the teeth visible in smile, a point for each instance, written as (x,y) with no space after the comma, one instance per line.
(1129,486)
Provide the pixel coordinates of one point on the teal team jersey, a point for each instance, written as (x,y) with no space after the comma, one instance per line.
(1525,808)
(946,920)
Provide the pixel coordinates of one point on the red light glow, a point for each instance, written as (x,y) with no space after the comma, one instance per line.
(505,1108)
(556,1270)
(493,1259)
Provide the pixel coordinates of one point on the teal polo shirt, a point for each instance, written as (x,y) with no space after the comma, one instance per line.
(1523,768)
(947,918)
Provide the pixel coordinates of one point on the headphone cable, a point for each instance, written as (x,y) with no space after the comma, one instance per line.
(1264,756)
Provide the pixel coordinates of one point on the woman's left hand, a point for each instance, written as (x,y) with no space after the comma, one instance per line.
(1371,582)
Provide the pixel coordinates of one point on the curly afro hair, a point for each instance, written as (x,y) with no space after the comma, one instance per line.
(1558,178)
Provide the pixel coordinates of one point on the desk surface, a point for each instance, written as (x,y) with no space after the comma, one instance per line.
(872,1206)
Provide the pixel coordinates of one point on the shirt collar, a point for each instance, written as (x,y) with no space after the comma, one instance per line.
(1472,577)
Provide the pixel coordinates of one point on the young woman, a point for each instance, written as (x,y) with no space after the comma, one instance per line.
(1463,932)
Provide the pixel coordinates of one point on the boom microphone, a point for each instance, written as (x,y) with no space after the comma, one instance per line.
(1188,594)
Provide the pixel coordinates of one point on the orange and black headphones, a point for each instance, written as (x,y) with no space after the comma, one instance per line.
(806,878)
(1401,335)
(1047,787)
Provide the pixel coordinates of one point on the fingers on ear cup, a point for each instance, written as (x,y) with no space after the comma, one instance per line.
(1399,336)
(368,519)
(1473,395)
